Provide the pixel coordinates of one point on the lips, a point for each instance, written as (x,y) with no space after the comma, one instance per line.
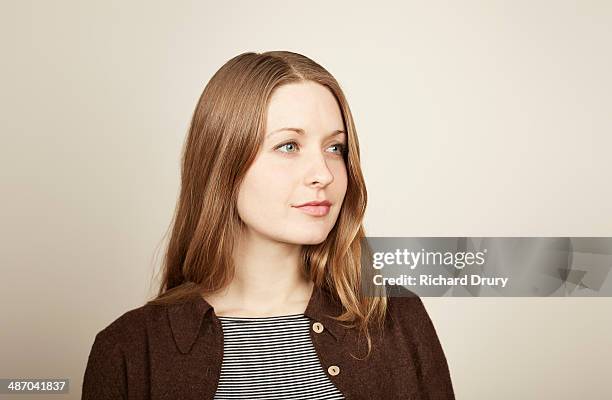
(315,208)
(315,203)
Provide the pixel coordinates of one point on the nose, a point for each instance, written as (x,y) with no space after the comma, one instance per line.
(319,173)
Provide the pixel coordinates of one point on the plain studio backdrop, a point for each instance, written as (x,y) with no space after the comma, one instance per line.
(475,118)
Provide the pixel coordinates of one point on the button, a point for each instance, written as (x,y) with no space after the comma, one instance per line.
(317,327)
(333,370)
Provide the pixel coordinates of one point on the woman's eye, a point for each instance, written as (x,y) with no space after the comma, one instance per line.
(288,145)
(340,146)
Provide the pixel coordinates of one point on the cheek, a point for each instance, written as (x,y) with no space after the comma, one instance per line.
(340,179)
(264,192)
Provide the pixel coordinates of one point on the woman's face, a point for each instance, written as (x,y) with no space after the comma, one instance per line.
(294,168)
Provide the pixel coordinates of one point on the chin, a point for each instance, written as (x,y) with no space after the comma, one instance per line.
(312,238)
(312,242)
(303,238)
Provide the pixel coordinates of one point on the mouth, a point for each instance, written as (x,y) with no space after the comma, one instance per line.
(315,208)
(317,211)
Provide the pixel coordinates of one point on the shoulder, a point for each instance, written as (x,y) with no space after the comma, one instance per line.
(407,310)
(130,326)
(401,300)
(106,370)
(122,343)
(417,330)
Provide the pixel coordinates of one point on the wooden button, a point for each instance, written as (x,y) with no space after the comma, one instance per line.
(333,370)
(317,327)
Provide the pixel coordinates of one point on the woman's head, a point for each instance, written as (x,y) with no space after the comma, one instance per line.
(301,160)
(243,169)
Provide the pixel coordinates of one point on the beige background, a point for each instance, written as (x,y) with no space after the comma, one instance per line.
(475,119)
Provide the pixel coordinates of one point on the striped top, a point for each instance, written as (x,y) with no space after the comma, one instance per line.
(271,358)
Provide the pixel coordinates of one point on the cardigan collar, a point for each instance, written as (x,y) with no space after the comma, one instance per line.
(186,318)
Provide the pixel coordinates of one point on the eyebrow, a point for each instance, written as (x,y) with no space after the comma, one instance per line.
(302,132)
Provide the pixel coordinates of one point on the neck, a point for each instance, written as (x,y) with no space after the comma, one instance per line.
(267,280)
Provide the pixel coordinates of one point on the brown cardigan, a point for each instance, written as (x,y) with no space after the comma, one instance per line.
(175,352)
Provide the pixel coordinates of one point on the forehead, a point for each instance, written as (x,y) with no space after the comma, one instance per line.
(304,105)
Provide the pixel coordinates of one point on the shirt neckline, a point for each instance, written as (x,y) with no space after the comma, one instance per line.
(233,318)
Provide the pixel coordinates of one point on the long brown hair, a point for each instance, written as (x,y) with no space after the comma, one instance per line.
(225,135)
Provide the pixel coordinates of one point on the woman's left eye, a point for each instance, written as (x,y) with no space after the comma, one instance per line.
(340,146)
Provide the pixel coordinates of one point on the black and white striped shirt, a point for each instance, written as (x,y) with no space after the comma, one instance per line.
(271,358)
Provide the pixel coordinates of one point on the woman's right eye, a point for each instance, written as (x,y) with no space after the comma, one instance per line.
(286,145)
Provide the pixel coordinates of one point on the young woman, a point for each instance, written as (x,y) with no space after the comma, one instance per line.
(260,296)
